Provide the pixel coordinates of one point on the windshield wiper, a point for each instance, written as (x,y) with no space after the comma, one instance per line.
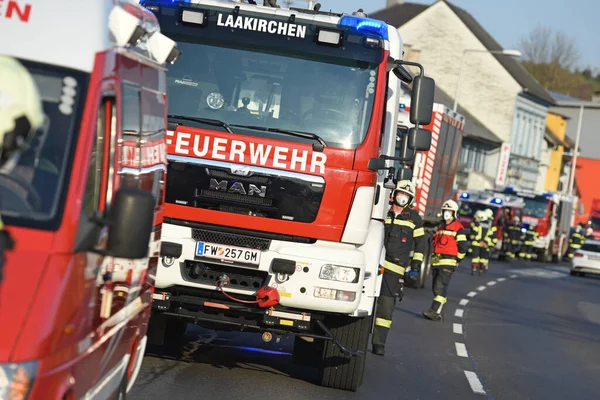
(306,135)
(207,121)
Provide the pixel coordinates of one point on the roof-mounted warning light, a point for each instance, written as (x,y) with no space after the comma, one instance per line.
(464,195)
(497,200)
(364,25)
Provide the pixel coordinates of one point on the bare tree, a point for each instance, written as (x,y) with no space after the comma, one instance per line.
(545,46)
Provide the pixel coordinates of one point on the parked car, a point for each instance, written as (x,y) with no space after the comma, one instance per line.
(587,259)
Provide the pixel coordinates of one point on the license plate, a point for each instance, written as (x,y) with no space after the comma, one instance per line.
(227,253)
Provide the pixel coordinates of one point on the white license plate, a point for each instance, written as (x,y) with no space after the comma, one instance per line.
(228,253)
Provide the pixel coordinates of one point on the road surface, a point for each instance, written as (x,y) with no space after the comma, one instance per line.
(519,332)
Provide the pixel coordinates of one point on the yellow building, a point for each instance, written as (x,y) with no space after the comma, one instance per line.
(556,133)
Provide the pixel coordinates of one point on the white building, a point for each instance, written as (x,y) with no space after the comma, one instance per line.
(497,92)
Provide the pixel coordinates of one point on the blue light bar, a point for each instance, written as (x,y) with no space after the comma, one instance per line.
(464,195)
(497,200)
(402,106)
(364,25)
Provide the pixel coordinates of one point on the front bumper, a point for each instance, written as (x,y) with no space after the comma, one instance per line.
(297,289)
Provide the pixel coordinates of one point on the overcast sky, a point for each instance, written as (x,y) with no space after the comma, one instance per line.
(508,20)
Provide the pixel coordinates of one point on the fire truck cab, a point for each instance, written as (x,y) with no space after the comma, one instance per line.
(277,190)
(84,203)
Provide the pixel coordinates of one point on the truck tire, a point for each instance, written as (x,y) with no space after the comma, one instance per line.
(426,266)
(337,370)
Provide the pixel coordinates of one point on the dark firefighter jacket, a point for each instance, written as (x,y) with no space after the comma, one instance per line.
(449,243)
(483,232)
(529,237)
(577,239)
(513,233)
(402,231)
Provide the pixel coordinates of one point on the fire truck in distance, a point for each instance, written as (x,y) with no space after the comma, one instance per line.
(595,217)
(553,214)
(84,203)
(433,170)
(505,208)
(282,123)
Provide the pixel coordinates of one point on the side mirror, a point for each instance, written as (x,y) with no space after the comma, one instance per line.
(419,139)
(403,74)
(130,219)
(421,106)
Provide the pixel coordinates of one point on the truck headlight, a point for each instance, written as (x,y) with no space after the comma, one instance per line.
(332,272)
(16,380)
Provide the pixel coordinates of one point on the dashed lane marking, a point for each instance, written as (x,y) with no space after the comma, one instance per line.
(472,294)
(513,276)
(459,312)
(491,283)
(461,350)
(501,279)
(457,328)
(463,302)
(481,288)
(474,382)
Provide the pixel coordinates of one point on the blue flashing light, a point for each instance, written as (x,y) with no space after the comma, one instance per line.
(402,106)
(365,25)
(497,200)
(524,230)
(464,195)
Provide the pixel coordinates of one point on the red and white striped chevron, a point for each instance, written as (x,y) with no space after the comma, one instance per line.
(425,162)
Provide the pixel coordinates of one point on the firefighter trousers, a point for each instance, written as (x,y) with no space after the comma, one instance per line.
(392,291)
(481,257)
(441,280)
(526,251)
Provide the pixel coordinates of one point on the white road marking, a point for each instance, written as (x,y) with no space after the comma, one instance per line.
(539,273)
(457,328)
(461,350)
(472,294)
(474,382)
(501,279)
(459,312)
(463,302)
(513,276)
(491,283)
(481,288)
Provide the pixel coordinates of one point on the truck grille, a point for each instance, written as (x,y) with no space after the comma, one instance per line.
(209,274)
(230,239)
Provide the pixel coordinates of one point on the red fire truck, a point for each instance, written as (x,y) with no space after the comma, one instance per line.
(84,203)
(595,218)
(277,120)
(433,170)
(553,214)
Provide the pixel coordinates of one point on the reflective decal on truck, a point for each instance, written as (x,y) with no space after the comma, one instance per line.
(265,155)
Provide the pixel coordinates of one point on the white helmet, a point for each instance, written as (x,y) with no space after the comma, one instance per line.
(406,186)
(450,205)
(21,111)
(489,213)
(516,219)
(481,216)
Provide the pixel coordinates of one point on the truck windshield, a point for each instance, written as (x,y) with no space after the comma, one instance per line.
(469,208)
(247,78)
(536,207)
(32,195)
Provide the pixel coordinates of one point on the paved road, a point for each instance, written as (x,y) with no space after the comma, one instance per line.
(520,332)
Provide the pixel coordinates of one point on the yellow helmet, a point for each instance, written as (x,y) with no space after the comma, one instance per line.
(21,110)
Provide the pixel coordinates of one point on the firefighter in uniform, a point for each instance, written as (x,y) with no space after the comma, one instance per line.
(528,238)
(476,238)
(449,248)
(512,236)
(576,241)
(589,230)
(482,240)
(21,117)
(403,229)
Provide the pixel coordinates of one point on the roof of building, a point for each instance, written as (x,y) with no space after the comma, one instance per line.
(399,14)
(473,128)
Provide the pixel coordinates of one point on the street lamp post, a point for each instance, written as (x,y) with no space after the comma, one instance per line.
(575,151)
(511,53)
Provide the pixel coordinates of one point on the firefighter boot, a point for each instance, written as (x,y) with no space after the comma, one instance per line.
(378,349)
(435,312)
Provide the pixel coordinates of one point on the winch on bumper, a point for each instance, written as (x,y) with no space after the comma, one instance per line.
(308,276)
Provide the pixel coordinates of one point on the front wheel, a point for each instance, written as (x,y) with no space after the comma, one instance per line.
(426,265)
(337,370)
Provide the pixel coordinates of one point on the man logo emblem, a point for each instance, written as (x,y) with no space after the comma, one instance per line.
(240,170)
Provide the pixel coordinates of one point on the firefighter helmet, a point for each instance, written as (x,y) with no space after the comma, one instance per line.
(450,205)
(489,213)
(480,216)
(516,220)
(21,111)
(405,186)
